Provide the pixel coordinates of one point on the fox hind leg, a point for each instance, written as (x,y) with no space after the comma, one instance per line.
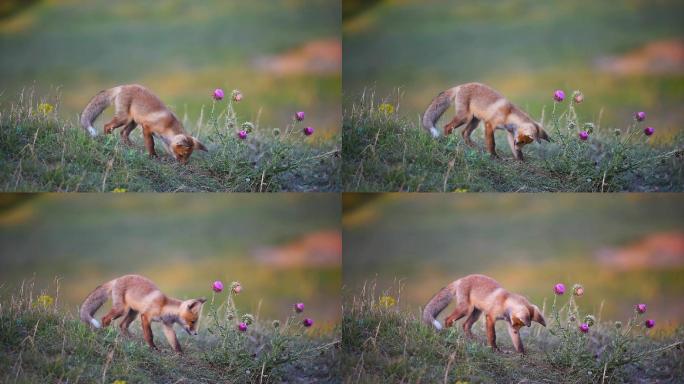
(116,122)
(127,131)
(472,319)
(113,314)
(453,124)
(118,306)
(460,311)
(126,322)
(459,119)
(468,130)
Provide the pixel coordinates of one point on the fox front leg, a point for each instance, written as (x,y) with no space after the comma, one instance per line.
(149,141)
(171,337)
(517,152)
(489,140)
(147,331)
(491,332)
(515,338)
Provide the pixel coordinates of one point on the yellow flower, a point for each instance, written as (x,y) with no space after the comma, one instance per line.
(387,301)
(119,382)
(44,300)
(386,108)
(45,108)
(460,190)
(119,190)
(461,382)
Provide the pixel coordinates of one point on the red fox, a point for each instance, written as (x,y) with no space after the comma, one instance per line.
(475,102)
(475,294)
(135,104)
(132,295)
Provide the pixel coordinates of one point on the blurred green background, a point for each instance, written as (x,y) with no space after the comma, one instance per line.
(183,243)
(284,55)
(625,56)
(624,249)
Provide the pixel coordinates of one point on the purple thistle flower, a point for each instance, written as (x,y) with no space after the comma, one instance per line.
(217,286)
(236,287)
(578,97)
(242,135)
(307,322)
(242,327)
(584,327)
(218,94)
(559,289)
(648,131)
(641,308)
(640,116)
(308,131)
(559,95)
(583,135)
(650,323)
(299,307)
(299,116)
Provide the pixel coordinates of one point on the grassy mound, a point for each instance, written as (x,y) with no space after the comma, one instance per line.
(43,343)
(382,343)
(385,151)
(43,152)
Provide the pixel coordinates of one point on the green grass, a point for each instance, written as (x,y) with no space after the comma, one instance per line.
(384,343)
(390,152)
(42,151)
(43,342)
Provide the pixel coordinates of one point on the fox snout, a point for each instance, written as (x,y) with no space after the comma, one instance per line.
(190,332)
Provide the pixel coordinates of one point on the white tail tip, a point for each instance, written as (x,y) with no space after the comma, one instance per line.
(437,324)
(435,132)
(92,131)
(95,323)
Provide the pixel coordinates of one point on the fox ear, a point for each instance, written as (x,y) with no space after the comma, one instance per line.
(537,316)
(542,135)
(516,323)
(199,145)
(196,303)
(510,127)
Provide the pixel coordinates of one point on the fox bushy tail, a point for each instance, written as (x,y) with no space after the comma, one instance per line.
(93,302)
(94,108)
(436,305)
(435,110)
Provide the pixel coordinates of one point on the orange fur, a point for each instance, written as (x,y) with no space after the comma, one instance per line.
(136,105)
(477,294)
(132,295)
(475,102)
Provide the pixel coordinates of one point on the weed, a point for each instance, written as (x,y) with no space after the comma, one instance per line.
(385,151)
(384,343)
(42,342)
(43,152)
